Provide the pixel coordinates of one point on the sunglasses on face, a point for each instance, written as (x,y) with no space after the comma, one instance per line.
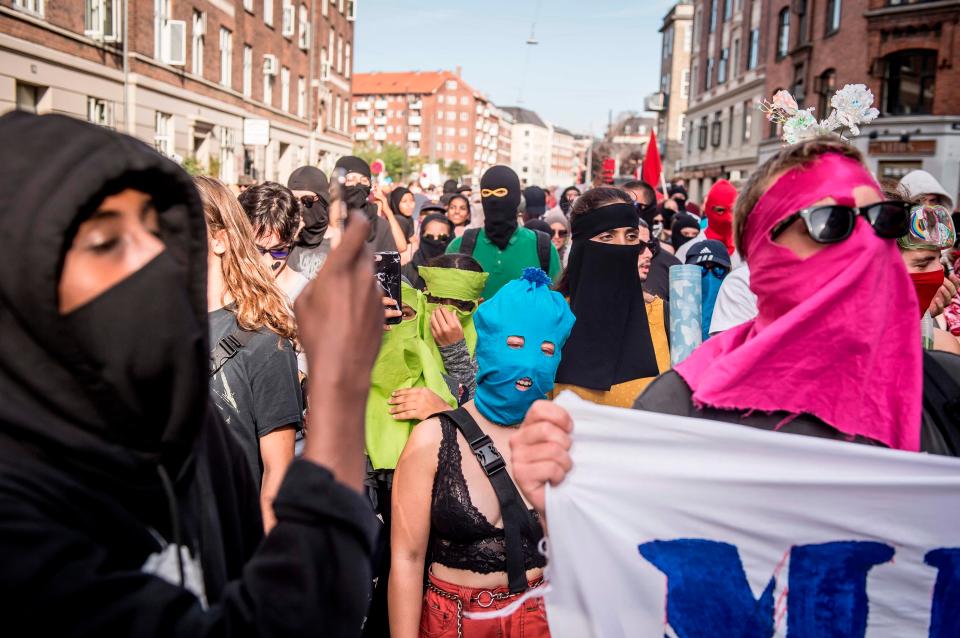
(653,246)
(718,271)
(438,237)
(561,232)
(832,224)
(278,253)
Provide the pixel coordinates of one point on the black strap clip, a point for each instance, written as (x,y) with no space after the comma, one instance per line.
(488,455)
(230,345)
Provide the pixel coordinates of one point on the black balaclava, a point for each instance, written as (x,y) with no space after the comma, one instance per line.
(406,223)
(356,196)
(430,247)
(563,203)
(316,216)
(610,342)
(681,221)
(536,203)
(119,386)
(500,195)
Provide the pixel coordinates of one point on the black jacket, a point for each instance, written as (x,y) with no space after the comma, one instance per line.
(93,485)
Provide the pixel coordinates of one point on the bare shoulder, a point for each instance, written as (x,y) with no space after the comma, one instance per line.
(424,441)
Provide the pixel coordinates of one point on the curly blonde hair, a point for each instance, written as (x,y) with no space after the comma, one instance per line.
(259,301)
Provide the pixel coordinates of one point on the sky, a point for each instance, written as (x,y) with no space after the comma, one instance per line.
(592,56)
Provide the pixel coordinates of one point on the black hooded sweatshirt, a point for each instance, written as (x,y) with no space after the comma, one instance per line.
(93,485)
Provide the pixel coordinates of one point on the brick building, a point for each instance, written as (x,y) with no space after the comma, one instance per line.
(670,103)
(727,66)
(254,87)
(430,114)
(907,53)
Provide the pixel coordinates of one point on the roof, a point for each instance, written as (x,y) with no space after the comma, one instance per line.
(562,131)
(401,82)
(524,116)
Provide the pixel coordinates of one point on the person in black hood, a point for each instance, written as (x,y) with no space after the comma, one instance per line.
(436,233)
(402,204)
(536,203)
(685,228)
(125,504)
(356,192)
(311,187)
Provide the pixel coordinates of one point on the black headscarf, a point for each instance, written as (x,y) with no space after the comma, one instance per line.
(406,223)
(500,195)
(563,203)
(681,221)
(316,217)
(356,196)
(117,387)
(610,342)
(465,201)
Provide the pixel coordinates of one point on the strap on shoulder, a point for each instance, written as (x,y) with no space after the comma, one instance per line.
(227,347)
(469,241)
(516,517)
(543,250)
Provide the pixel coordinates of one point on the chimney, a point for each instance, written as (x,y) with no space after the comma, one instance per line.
(459,70)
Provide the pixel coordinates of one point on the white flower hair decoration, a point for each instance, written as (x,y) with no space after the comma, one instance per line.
(852,106)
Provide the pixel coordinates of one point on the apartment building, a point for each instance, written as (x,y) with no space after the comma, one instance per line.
(905,52)
(430,114)
(233,87)
(670,103)
(505,137)
(530,154)
(727,65)
(564,164)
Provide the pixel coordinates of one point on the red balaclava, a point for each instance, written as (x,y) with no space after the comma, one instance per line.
(720,224)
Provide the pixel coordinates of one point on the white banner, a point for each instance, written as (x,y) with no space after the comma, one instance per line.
(678,527)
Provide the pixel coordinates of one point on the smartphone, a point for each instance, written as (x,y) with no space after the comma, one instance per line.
(387,272)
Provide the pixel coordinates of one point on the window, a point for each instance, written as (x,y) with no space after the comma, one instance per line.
(681,123)
(833,16)
(908,82)
(390,129)
(29,96)
(697,21)
(346,111)
(228,164)
(687,38)
(730,128)
(735,62)
(462,148)
(713,15)
(464,116)
(753,57)
(161,13)
(783,32)
(448,146)
(463,132)
(722,66)
(695,74)
(347,63)
(247,70)
(746,119)
(690,139)
(464,101)
(287,26)
(708,81)
(100,112)
(337,115)
(101,20)
(33,6)
(451,132)
(301,97)
(268,88)
(199,27)
(667,44)
(248,5)
(324,8)
(827,87)
(451,116)
(801,21)
(303,37)
(163,133)
(799,88)
(439,146)
(439,115)
(285,89)
(340,55)
(451,85)
(702,134)
(685,84)
(727,9)
(716,129)
(268,12)
(226,57)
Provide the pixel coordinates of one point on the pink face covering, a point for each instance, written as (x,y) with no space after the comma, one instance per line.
(837,335)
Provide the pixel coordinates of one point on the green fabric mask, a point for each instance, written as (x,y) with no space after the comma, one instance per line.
(451,283)
(404,361)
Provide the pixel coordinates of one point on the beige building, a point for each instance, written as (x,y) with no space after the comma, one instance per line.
(530,146)
(564,164)
(670,103)
(723,125)
(230,87)
(504,137)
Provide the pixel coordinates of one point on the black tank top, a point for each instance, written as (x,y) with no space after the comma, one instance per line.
(461,537)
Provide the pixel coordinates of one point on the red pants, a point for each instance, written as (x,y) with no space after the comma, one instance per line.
(440,614)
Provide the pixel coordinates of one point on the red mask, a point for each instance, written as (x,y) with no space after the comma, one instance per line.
(719,210)
(926,284)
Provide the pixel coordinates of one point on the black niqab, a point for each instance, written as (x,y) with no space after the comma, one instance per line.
(610,342)
(500,196)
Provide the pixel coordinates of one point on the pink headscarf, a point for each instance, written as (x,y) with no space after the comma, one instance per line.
(836,336)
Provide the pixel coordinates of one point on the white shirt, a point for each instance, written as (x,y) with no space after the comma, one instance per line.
(736,303)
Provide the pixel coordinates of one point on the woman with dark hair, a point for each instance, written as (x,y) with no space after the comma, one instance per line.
(610,357)
(458,212)
(436,233)
(402,203)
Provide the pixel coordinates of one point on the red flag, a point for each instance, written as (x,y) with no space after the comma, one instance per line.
(652,168)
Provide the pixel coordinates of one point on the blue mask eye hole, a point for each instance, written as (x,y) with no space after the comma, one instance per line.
(548,348)
(515,342)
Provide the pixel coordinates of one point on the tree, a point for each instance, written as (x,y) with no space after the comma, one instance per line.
(456,170)
(395,160)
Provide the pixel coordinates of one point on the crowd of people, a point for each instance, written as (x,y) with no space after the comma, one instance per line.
(215,422)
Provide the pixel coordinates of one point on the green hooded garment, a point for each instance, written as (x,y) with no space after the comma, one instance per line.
(451,283)
(405,361)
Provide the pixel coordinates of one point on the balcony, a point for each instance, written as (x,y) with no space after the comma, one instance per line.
(478,139)
(494,130)
(486,127)
(362,120)
(380,135)
(380,120)
(478,125)
(415,120)
(380,105)
(363,105)
(479,109)
(413,151)
(361,136)
(413,136)
(476,155)
(416,106)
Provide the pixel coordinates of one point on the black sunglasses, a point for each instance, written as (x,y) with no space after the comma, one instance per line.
(718,270)
(560,232)
(276,253)
(832,224)
(653,245)
(437,237)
